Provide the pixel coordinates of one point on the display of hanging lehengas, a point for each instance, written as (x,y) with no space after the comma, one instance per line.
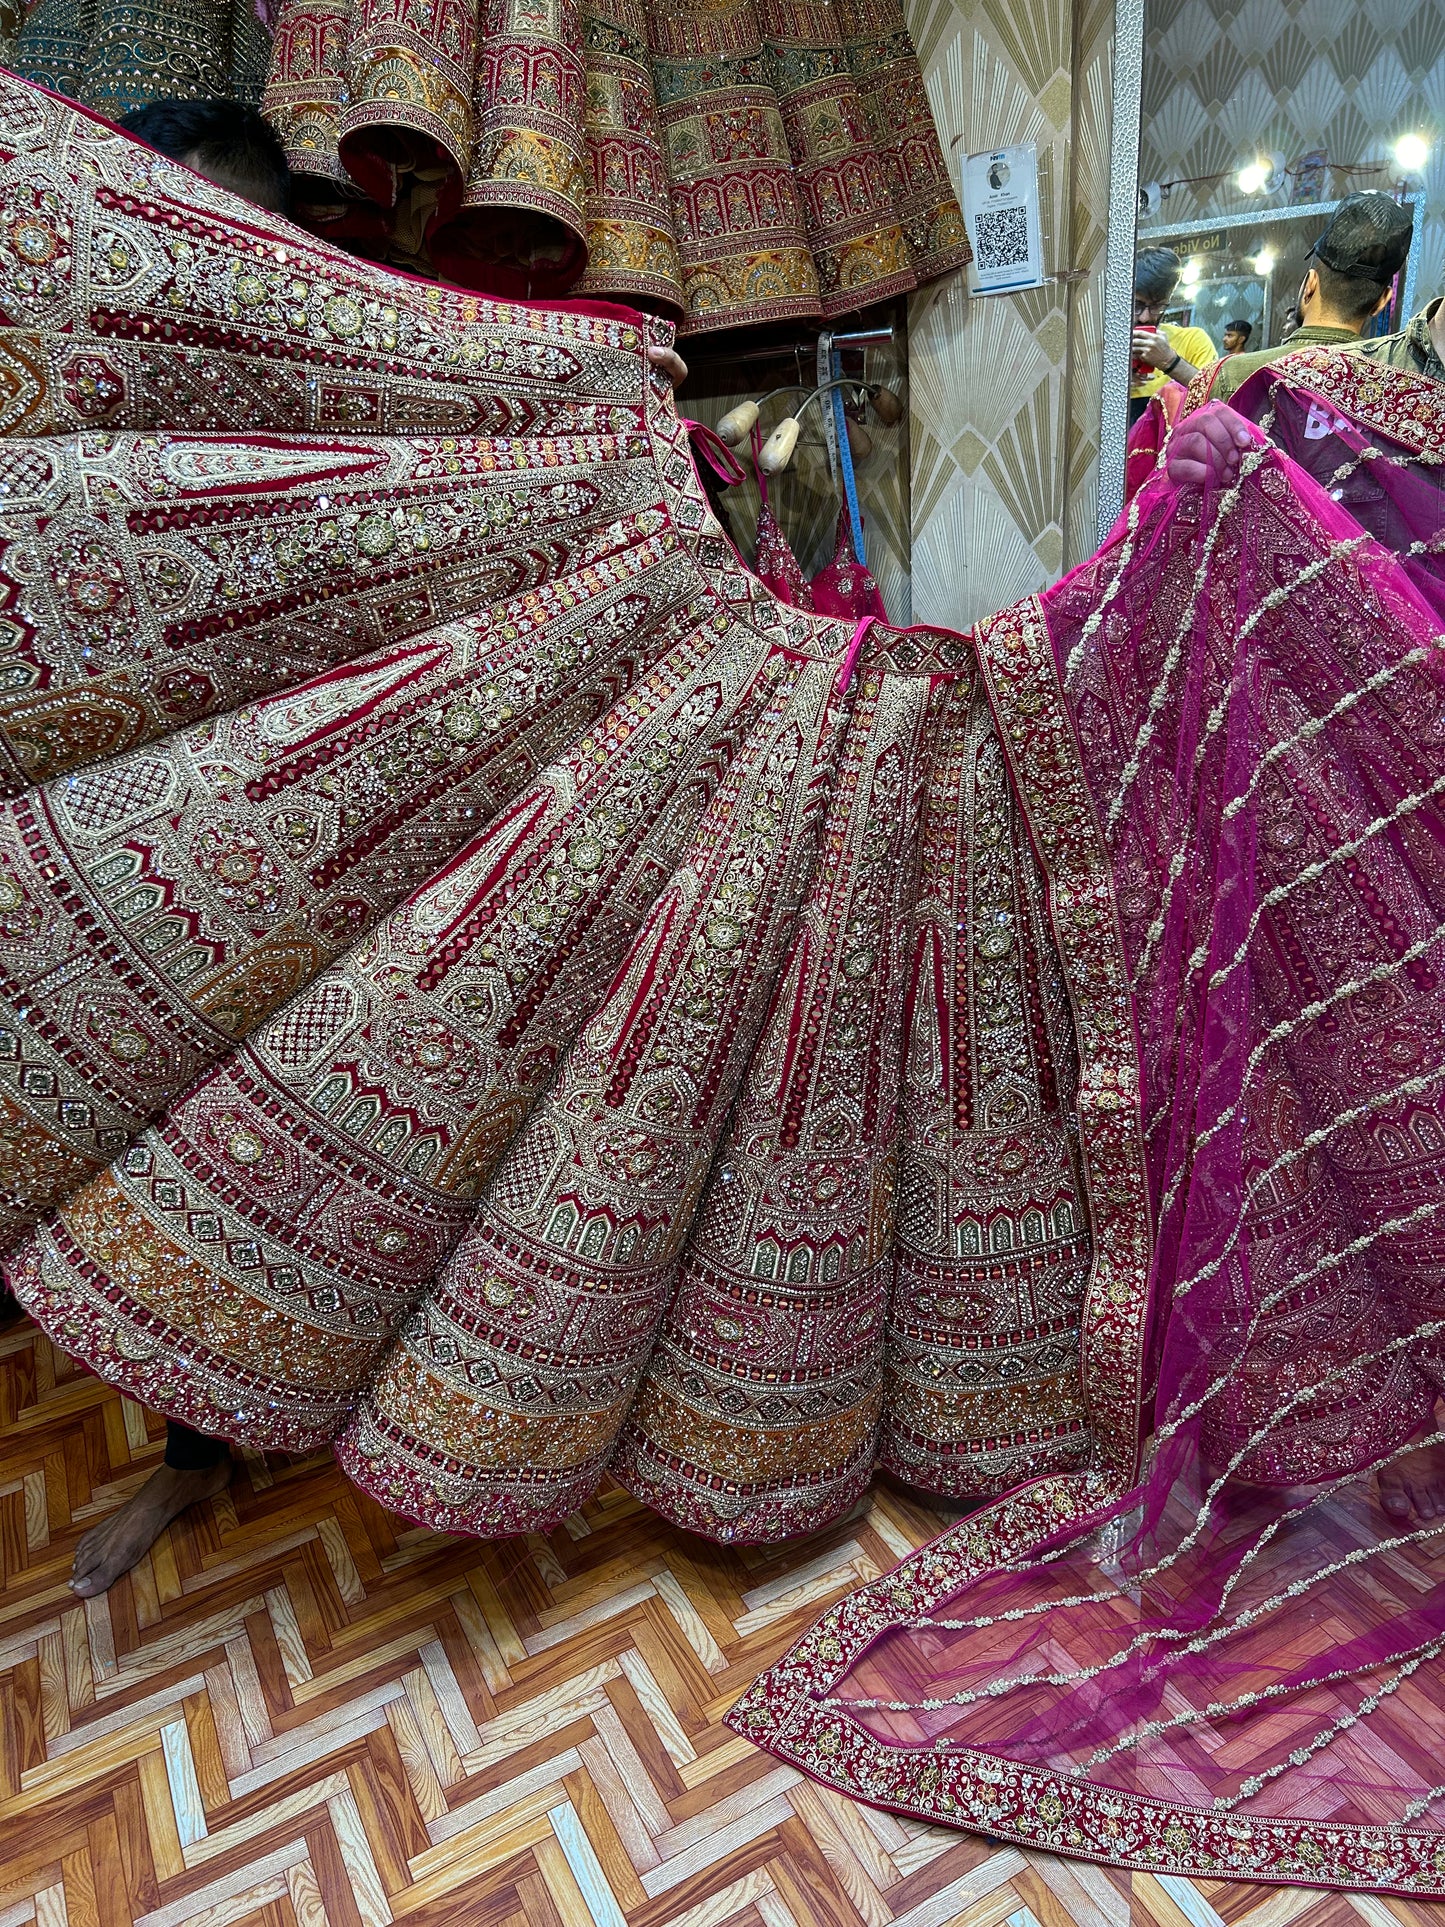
(765,160)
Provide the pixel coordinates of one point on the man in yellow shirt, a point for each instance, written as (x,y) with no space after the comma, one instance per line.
(1162,353)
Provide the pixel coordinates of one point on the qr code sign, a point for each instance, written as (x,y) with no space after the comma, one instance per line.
(1001,238)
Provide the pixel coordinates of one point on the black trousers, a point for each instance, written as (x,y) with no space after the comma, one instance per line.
(188,1451)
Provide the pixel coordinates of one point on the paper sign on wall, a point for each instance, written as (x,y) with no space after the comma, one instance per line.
(1001,212)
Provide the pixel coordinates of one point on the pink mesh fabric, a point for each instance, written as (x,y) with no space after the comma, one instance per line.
(1228,1662)
(843,587)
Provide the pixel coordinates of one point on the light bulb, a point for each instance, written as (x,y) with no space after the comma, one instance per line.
(1264,261)
(1192,271)
(1252,178)
(1412,151)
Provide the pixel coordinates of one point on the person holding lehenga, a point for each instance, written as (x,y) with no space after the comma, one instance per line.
(1355,263)
(1351,271)
(492,989)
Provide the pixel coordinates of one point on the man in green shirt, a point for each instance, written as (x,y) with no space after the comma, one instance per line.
(1352,266)
(1418,347)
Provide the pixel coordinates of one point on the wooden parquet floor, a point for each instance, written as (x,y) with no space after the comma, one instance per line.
(298,1713)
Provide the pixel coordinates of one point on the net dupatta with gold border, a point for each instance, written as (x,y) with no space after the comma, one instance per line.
(1211,1650)
(468,950)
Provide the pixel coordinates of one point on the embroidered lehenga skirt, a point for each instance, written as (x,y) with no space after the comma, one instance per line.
(726,166)
(490,986)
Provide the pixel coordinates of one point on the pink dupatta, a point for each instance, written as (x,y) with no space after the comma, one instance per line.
(1212,1651)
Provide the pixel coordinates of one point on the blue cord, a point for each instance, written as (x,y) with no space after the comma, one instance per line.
(845,463)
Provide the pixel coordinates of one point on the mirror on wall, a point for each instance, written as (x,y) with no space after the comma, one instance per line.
(1255,122)
(1250,267)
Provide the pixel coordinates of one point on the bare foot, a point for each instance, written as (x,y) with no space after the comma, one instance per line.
(1414,1484)
(121,1540)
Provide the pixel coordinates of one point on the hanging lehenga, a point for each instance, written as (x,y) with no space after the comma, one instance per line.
(724,165)
(489,986)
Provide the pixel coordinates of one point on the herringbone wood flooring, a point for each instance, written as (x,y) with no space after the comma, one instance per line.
(300,1713)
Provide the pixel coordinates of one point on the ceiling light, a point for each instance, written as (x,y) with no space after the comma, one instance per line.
(1412,151)
(1192,271)
(1264,261)
(1252,178)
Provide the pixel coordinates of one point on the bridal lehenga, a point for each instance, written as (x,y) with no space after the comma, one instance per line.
(491,988)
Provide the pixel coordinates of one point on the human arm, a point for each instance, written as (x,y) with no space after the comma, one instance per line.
(1207,447)
(1158,351)
(1179,353)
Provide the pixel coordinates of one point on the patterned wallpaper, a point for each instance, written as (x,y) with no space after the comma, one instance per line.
(1224,82)
(1005,388)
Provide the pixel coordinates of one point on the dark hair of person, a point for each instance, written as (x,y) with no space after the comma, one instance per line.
(230,144)
(1156,274)
(1352,295)
(1240,327)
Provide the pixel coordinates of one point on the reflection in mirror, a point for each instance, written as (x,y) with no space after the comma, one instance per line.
(1256,125)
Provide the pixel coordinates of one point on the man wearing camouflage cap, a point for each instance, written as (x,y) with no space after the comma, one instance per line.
(1351,268)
